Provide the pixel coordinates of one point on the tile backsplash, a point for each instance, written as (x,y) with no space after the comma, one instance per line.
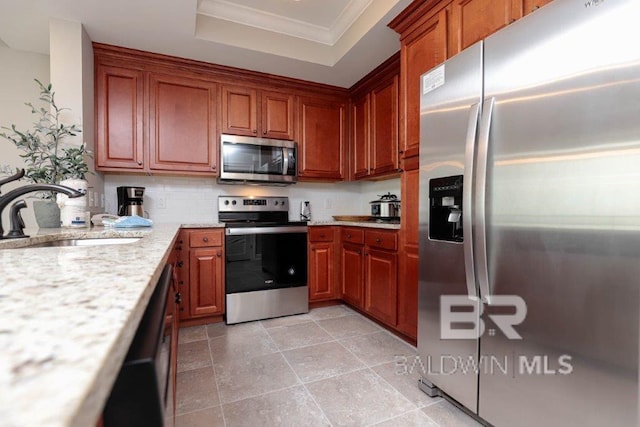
(194,200)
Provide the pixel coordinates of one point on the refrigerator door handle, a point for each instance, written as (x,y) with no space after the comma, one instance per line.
(467,201)
(479,209)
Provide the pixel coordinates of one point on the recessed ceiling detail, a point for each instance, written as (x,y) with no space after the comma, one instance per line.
(320,32)
(319,22)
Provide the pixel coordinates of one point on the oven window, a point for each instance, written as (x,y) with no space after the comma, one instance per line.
(250,158)
(265,261)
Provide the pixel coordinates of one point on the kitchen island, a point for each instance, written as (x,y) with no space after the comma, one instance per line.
(68,316)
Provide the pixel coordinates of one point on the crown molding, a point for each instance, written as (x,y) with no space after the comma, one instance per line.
(240,14)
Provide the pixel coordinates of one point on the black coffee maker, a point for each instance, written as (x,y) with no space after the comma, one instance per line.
(130,201)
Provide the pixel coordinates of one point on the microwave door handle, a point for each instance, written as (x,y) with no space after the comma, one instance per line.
(285,160)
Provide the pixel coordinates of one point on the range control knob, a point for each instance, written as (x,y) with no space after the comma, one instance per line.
(226,202)
(233,203)
(275,203)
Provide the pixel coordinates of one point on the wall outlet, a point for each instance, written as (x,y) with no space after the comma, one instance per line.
(328,204)
(161,203)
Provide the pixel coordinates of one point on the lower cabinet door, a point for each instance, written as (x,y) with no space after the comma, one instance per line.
(381,284)
(408,292)
(352,279)
(206,285)
(321,271)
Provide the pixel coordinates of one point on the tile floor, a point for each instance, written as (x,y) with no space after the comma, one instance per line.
(331,367)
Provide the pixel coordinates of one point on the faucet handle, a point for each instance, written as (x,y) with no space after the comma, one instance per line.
(13,177)
(17,223)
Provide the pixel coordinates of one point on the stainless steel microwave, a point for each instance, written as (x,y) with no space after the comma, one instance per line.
(257,160)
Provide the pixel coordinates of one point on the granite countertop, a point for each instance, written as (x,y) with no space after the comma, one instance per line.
(367,224)
(68,315)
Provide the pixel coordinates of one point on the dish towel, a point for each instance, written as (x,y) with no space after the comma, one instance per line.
(128,222)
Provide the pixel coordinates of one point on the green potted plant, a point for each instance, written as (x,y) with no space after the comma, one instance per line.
(47,159)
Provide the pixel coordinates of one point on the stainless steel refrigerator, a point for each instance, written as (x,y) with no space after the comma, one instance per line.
(529,302)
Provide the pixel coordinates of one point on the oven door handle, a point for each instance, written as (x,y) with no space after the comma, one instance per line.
(244,231)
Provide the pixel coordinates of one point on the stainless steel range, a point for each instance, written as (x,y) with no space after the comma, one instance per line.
(266,258)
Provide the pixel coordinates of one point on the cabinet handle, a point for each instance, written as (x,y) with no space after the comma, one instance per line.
(348,236)
(378,240)
(401,151)
(205,239)
(178,248)
(180,241)
(255,131)
(264,132)
(178,298)
(366,254)
(180,264)
(219,254)
(139,162)
(181,282)
(359,253)
(512,20)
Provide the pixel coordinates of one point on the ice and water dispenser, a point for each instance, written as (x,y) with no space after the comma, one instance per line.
(445,208)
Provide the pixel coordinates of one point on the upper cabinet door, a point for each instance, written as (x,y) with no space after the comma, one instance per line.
(277,115)
(421,50)
(239,111)
(384,128)
(182,130)
(119,117)
(360,137)
(321,145)
(473,20)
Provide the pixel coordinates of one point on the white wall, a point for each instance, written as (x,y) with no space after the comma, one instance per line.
(17,86)
(71,64)
(194,200)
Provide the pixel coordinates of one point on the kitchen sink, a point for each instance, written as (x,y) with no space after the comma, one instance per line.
(84,242)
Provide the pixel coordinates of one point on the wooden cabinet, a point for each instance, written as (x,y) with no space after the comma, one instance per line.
(532,5)
(383,153)
(322,264)
(423,46)
(206,288)
(360,121)
(473,20)
(200,272)
(163,115)
(182,117)
(374,131)
(408,257)
(119,114)
(321,145)
(252,112)
(381,275)
(149,121)
(352,280)
(181,272)
(369,271)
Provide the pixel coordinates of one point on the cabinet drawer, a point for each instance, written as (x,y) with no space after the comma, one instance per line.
(382,239)
(200,239)
(353,235)
(320,234)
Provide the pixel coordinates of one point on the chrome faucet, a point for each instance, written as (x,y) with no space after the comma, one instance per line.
(17,192)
